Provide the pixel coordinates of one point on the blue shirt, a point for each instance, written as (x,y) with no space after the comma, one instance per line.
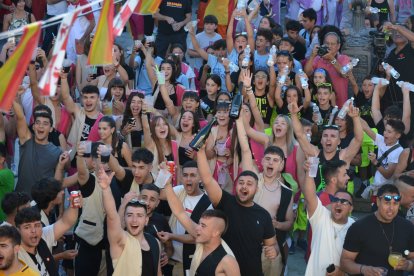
(143,81)
(260,61)
(218,69)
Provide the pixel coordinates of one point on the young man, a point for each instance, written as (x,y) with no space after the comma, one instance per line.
(261,54)
(405,185)
(12,203)
(328,226)
(204,39)
(132,251)
(6,178)
(33,149)
(329,141)
(308,19)
(86,118)
(37,242)
(292,29)
(287,44)
(370,240)
(248,221)
(195,202)
(210,256)
(172,16)
(10,264)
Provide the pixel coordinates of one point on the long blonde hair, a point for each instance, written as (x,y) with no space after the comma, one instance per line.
(290,139)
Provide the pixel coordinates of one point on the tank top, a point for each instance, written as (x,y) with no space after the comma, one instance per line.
(265,109)
(384,10)
(209,265)
(148,266)
(319,180)
(16,23)
(182,156)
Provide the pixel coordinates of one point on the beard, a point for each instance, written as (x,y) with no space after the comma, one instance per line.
(7,262)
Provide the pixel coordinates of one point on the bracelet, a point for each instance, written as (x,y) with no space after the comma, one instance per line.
(249,92)
(227,72)
(248,88)
(360,269)
(378,165)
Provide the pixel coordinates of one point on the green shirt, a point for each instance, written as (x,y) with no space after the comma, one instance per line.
(6,186)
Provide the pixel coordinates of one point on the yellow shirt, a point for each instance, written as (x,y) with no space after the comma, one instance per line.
(24,271)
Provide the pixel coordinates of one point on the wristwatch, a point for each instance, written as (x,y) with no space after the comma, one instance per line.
(333,62)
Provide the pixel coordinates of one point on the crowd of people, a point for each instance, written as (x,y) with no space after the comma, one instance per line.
(152,165)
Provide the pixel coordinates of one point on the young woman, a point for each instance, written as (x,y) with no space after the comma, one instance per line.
(213,86)
(108,135)
(283,59)
(158,139)
(18,18)
(320,75)
(119,55)
(292,94)
(131,124)
(218,147)
(181,77)
(117,95)
(178,51)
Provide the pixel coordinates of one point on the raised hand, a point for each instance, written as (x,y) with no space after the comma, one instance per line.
(104,180)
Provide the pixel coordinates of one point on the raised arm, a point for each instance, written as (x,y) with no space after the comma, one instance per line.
(229,34)
(37,98)
(375,105)
(212,187)
(246,78)
(278,95)
(67,221)
(83,172)
(22,130)
(246,154)
(309,191)
(67,100)
(307,147)
(406,118)
(150,64)
(148,142)
(116,234)
(356,142)
(168,102)
(249,30)
(178,210)
(203,54)
(367,129)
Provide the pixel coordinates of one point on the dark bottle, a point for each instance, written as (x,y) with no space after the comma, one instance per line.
(236,103)
(202,136)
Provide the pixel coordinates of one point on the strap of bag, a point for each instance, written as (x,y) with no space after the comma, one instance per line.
(387,153)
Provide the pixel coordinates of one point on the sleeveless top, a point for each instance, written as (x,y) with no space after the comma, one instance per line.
(410,161)
(16,23)
(209,265)
(182,156)
(148,269)
(265,109)
(319,180)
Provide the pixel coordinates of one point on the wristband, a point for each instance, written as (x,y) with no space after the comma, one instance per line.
(378,164)
(227,72)
(333,62)
(249,92)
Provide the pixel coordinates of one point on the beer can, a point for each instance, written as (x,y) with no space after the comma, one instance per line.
(171,167)
(75,196)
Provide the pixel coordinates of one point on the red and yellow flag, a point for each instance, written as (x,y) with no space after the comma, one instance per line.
(146,7)
(222,9)
(14,69)
(101,48)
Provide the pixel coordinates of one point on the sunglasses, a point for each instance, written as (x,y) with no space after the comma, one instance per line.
(343,201)
(335,127)
(239,34)
(388,198)
(260,76)
(327,84)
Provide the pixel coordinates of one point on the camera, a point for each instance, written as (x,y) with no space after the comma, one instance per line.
(323,50)
(379,42)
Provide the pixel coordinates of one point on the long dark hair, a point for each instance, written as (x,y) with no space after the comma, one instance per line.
(174,76)
(128,112)
(292,87)
(156,140)
(193,95)
(112,125)
(196,123)
(235,145)
(115,82)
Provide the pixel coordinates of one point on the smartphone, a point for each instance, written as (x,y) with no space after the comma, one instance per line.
(11,40)
(131,121)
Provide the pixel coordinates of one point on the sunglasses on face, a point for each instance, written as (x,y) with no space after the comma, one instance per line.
(260,76)
(335,127)
(388,198)
(343,201)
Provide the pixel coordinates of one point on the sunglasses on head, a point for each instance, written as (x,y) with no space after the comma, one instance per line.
(335,127)
(323,84)
(239,34)
(388,198)
(343,201)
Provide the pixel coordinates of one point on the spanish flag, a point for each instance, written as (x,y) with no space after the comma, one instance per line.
(222,9)
(14,69)
(101,48)
(147,7)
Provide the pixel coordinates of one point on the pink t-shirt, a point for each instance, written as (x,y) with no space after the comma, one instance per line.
(340,84)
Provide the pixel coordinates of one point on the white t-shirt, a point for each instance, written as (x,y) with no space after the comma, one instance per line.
(325,248)
(379,179)
(189,204)
(204,41)
(57,9)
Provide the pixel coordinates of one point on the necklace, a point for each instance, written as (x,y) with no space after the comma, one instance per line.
(278,182)
(339,231)
(385,235)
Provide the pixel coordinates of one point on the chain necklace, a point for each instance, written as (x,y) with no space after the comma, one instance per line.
(339,231)
(385,235)
(277,186)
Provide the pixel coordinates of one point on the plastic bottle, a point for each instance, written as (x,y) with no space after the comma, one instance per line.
(205,107)
(233,67)
(253,5)
(303,79)
(272,53)
(410,86)
(393,72)
(283,75)
(376,80)
(246,59)
(241,5)
(345,69)
(374,10)
(316,111)
(345,108)
(331,116)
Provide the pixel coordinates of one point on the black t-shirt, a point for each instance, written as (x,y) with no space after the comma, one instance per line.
(299,51)
(160,222)
(53,136)
(366,236)
(177,9)
(130,71)
(364,106)
(264,107)
(248,227)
